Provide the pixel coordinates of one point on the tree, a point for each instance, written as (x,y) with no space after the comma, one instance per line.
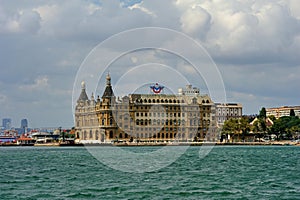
(272,117)
(244,126)
(262,113)
(229,127)
(292,113)
(260,127)
(285,125)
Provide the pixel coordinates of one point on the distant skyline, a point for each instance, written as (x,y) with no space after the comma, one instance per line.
(255,45)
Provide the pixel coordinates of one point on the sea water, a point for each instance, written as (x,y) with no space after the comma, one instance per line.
(227,172)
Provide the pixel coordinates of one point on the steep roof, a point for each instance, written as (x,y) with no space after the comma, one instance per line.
(108,92)
(83,96)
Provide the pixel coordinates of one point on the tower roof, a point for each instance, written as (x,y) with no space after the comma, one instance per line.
(108,92)
(83,96)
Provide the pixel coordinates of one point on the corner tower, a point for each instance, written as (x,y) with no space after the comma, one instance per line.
(83,96)
(108,92)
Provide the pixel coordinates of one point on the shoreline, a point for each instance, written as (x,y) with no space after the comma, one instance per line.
(275,143)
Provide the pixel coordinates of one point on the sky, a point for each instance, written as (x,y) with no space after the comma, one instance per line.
(254,44)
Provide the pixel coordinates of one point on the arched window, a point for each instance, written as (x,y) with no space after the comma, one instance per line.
(194,100)
(207,101)
(126,117)
(183,135)
(102,137)
(120,135)
(91,135)
(97,135)
(84,135)
(111,134)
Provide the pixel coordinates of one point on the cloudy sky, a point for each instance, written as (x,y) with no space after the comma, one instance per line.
(255,45)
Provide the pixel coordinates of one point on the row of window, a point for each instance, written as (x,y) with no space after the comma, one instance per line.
(165,101)
(150,114)
(229,114)
(157,136)
(162,135)
(231,109)
(141,114)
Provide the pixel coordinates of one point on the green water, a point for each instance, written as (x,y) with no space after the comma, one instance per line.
(228,172)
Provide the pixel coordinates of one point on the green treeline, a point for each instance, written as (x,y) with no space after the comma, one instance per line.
(287,127)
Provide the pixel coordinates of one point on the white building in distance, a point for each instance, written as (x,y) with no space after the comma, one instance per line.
(226,111)
(278,112)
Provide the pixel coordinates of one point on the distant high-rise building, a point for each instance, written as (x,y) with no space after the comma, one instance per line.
(24,126)
(6,123)
(24,123)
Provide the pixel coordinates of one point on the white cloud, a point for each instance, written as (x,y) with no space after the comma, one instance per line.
(3,98)
(24,21)
(40,83)
(196,21)
(29,21)
(143,9)
(255,44)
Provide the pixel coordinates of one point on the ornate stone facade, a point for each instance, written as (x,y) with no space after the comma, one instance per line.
(145,117)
